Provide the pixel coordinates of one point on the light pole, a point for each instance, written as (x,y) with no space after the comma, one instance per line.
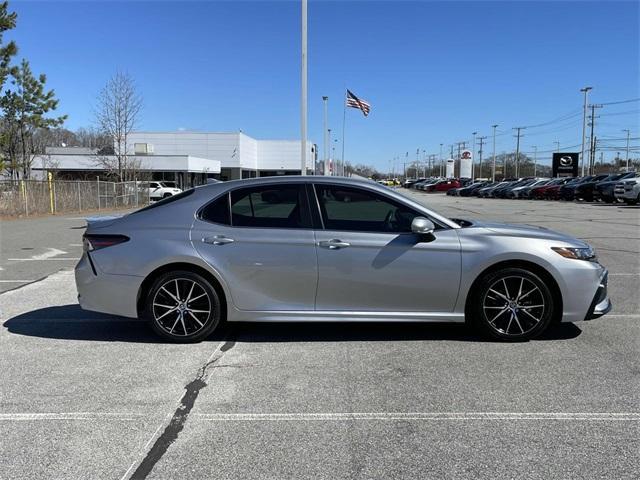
(327,133)
(584,90)
(328,161)
(441,158)
(557,145)
(303,94)
(473,153)
(493,174)
(628,133)
(535,159)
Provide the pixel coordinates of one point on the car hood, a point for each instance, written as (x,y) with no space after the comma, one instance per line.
(528,231)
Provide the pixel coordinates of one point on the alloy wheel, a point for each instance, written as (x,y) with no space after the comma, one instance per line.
(181,307)
(514,306)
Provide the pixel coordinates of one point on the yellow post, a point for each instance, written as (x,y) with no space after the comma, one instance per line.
(50,176)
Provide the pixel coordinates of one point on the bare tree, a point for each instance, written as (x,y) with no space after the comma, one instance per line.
(117,115)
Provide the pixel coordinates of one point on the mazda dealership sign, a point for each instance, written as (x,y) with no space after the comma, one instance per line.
(565,164)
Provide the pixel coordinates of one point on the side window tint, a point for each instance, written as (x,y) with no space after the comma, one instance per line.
(217,211)
(272,206)
(345,208)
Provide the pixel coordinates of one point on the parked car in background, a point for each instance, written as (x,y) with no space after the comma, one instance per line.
(603,190)
(628,190)
(541,192)
(469,190)
(442,186)
(275,249)
(412,181)
(584,191)
(523,192)
(158,190)
(568,191)
(487,191)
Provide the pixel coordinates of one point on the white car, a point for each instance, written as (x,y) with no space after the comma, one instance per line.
(159,190)
(628,191)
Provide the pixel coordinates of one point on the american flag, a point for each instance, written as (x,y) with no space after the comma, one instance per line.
(355,102)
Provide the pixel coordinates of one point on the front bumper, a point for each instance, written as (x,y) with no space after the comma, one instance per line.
(600,305)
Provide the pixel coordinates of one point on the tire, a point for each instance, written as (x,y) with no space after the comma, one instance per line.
(496,311)
(166,195)
(176,319)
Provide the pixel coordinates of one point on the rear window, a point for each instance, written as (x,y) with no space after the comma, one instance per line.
(167,200)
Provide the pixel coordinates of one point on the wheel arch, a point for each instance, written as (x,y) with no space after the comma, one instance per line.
(527,265)
(185,266)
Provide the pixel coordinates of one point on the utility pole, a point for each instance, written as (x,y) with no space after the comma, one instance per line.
(535,160)
(557,145)
(303,94)
(493,170)
(482,139)
(584,90)
(628,133)
(592,153)
(518,147)
(440,159)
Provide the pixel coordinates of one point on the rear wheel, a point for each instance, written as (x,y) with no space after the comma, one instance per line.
(182,307)
(512,304)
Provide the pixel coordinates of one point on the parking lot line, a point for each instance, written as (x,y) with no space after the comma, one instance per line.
(21,417)
(393,416)
(16,281)
(40,259)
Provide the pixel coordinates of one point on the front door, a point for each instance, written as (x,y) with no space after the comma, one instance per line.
(261,242)
(368,259)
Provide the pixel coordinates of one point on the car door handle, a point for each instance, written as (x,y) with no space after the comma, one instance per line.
(333,244)
(218,240)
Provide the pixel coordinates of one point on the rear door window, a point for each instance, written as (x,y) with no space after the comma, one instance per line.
(270,206)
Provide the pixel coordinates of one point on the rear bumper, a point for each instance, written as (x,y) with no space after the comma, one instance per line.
(600,305)
(100,292)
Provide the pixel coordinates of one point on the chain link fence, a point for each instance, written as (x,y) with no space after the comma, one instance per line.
(37,197)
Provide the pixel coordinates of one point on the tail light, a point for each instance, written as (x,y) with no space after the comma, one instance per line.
(91,242)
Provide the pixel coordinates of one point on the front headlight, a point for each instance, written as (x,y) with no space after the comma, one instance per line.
(585,253)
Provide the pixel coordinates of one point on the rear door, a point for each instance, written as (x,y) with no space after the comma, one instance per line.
(260,240)
(368,259)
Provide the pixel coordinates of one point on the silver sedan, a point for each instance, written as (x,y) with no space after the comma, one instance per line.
(332,249)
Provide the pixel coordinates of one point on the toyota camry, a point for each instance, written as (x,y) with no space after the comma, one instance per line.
(317,249)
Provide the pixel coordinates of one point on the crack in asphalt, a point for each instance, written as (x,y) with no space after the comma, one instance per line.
(179,418)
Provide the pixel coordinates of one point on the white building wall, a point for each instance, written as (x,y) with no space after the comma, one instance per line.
(248,152)
(282,155)
(232,150)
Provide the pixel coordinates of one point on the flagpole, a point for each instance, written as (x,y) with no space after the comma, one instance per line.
(344,118)
(303,90)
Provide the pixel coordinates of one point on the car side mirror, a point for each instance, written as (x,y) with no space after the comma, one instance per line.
(422,226)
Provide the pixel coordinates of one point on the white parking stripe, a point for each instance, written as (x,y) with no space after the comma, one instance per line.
(40,259)
(16,281)
(336,416)
(390,416)
(21,417)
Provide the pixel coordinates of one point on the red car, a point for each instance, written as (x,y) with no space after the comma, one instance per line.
(443,186)
(550,191)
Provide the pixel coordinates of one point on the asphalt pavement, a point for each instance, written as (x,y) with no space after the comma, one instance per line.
(86,395)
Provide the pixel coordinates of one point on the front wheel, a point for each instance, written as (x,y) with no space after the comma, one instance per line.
(182,307)
(512,304)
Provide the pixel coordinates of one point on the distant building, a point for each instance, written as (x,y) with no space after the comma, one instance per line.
(240,155)
(186,158)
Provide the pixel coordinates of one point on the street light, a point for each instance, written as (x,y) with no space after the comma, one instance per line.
(584,90)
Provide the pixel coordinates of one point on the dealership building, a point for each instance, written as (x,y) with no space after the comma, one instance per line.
(187,158)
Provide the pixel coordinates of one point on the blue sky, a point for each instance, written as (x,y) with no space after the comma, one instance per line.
(434,72)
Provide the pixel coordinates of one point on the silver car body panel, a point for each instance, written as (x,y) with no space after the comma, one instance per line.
(284,275)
